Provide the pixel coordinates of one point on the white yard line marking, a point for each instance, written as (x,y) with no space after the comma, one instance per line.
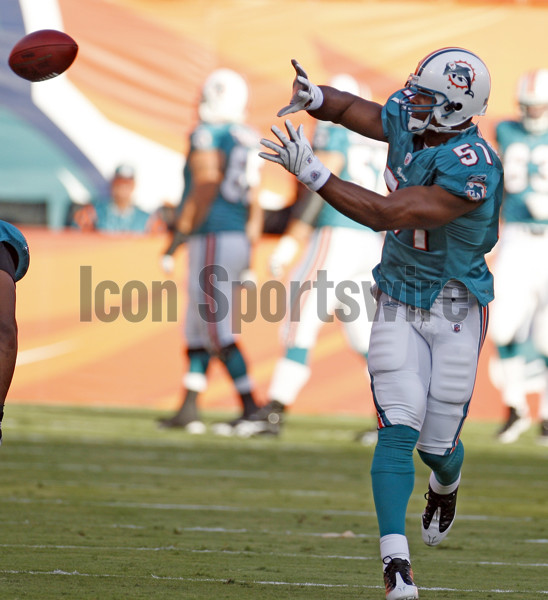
(245,509)
(265,583)
(179,549)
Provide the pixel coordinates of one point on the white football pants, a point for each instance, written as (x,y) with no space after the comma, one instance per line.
(423,364)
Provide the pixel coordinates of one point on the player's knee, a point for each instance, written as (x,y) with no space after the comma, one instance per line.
(446,467)
(225,353)
(394,450)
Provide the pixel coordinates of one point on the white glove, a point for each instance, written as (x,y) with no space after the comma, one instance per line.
(296,155)
(167,263)
(248,278)
(283,254)
(306,95)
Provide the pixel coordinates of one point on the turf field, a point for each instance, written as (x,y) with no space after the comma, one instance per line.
(100,504)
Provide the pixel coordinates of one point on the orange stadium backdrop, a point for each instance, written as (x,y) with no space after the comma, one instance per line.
(141,64)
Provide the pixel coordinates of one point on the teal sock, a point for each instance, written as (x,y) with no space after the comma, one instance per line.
(234,361)
(393,476)
(446,468)
(198,360)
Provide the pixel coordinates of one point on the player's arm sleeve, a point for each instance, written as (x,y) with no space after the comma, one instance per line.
(390,115)
(8,259)
(15,258)
(473,182)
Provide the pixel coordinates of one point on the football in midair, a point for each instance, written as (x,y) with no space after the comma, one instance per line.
(42,55)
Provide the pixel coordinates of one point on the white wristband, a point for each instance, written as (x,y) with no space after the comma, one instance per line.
(314,174)
(317,97)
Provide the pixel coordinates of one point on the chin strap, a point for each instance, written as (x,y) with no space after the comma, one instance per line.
(436,128)
(447,129)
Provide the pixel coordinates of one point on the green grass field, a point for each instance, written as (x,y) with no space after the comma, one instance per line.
(100,504)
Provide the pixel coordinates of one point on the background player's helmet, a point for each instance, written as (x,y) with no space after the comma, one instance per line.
(347,83)
(458,84)
(532,97)
(224,97)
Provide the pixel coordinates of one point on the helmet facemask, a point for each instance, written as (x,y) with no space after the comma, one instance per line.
(410,114)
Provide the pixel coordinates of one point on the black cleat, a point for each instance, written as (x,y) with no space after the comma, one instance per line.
(438,516)
(267,420)
(514,426)
(398,580)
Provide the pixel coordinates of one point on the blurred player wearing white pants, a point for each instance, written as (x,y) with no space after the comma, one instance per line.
(520,311)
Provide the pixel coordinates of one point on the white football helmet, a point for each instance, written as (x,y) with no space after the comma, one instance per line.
(533,100)
(224,97)
(458,83)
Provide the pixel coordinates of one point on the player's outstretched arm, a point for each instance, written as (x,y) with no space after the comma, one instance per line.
(416,207)
(329,104)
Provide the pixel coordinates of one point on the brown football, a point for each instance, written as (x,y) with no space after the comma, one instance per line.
(42,55)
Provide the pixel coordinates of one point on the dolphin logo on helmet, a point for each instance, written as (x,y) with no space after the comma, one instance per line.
(461,75)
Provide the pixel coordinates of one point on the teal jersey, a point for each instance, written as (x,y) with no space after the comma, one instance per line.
(11,236)
(364,163)
(239,147)
(416,264)
(110,218)
(525,160)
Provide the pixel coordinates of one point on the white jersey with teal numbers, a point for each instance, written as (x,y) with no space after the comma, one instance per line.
(525,160)
(416,264)
(239,147)
(364,163)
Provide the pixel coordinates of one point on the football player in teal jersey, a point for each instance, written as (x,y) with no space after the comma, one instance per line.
(331,239)
(433,285)
(14,263)
(519,318)
(221,218)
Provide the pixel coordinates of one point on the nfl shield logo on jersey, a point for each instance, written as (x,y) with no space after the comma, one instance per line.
(457,327)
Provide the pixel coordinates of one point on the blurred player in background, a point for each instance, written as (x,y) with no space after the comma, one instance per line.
(433,285)
(221,219)
(14,262)
(118,213)
(343,249)
(520,310)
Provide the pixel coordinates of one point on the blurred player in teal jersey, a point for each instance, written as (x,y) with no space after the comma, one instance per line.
(14,263)
(433,285)
(520,310)
(333,240)
(221,219)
